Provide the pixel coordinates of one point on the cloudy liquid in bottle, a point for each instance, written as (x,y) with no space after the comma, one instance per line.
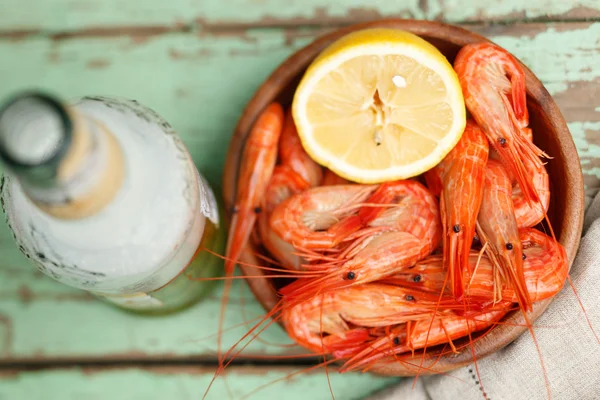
(101,194)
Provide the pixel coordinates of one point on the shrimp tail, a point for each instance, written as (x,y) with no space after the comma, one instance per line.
(374,352)
(352,342)
(384,194)
(244,222)
(346,227)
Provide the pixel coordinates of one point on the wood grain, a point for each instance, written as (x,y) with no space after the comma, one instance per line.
(86,16)
(184,383)
(28,335)
(200,83)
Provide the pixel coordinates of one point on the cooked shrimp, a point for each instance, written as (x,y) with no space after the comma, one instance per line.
(404,219)
(423,333)
(292,154)
(493,84)
(462,177)
(284,183)
(343,314)
(256,167)
(545,268)
(320,217)
(498,231)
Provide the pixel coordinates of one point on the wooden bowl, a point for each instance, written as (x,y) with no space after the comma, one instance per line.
(550,134)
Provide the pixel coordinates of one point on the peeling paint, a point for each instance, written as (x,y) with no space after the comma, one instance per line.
(18,35)
(68,15)
(578,99)
(141,22)
(97,63)
(586,136)
(559,57)
(141,32)
(181,55)
(53,57)
(522,31)
(182,93)
(25,294)
(456,10)
(6,334)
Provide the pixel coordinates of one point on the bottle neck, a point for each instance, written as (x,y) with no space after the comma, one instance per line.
(68,164)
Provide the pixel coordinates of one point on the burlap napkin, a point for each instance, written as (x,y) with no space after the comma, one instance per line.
(570,351)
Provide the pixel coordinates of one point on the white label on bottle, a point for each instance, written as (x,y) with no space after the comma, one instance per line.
(208,203)
(134,301)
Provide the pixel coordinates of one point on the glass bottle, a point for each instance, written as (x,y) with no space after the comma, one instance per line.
(101,194)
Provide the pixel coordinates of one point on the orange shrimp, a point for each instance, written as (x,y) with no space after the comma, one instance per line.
(493,84)
(527,214)
(421,334)
(284,183)
(546,265)
(257,165)
(343,314)
(545,268)
(330,178)
(406,231)
(256,168)
(292,153)
(498,231)
(462,173)
(320,217)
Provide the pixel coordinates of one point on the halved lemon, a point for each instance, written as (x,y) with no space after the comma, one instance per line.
(379,105)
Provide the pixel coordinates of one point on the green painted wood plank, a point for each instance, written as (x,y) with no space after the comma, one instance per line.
(41,319)
(185,383)
(200,83)
(61,15)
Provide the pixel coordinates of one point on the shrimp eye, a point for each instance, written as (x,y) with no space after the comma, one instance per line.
(257,210)
(397,341)
(523,256)
(410,297)
(351,275)
(234,210)
(456,228)
(502,141)
(509,246)
(417,278)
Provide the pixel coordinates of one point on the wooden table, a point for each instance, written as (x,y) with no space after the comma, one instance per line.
(197,63)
